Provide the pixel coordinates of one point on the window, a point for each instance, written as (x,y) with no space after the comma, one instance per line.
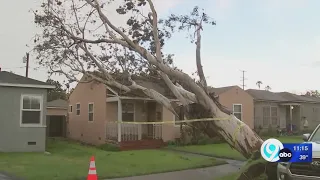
(180,112)
(127,112)
(78,109)
(315,137)
(70,108)
(31,110)
(266,115)
(237,111)
(90,111)
(274,115)
(159,116)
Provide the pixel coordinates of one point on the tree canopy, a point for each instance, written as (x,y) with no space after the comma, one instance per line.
(57,93)
(79,37)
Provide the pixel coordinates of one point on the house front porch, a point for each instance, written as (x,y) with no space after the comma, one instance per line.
(137,123)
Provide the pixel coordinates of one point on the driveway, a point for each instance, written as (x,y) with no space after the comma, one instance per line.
(209,173)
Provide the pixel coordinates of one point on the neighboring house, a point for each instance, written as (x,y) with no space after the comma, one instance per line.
(94,109)
(238,101)
(57,111)
(23,103)
(283,108)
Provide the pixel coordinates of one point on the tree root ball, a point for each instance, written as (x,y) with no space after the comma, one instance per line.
(258,169)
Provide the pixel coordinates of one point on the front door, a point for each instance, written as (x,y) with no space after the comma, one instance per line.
(151,117)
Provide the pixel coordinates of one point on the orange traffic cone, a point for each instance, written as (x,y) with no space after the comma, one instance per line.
(92,175)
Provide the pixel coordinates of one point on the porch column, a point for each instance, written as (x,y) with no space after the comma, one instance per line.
(291,107)
(119,119)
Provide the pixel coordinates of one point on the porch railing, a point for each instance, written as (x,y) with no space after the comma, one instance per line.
(133,132)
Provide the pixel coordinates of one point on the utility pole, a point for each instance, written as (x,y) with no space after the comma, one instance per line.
(26,60)
(243,79)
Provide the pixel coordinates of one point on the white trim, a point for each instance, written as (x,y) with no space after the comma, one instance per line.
(113,91)
(28,85)
(112,99)
(91,112)
(40,97)
(116,98)
(52,107)
(70,108)
(77,109)
(238,112)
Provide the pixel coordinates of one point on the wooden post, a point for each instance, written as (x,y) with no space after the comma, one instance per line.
(27,65)
(119,119)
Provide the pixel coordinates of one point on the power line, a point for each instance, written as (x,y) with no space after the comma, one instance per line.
(243,79)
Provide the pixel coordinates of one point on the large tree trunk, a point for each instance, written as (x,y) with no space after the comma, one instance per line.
(236,133)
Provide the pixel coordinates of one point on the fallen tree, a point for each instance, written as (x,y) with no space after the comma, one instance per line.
(79,37)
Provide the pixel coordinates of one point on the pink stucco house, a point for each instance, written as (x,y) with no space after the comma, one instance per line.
(95,109)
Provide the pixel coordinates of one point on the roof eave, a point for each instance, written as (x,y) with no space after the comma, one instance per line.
(27,85)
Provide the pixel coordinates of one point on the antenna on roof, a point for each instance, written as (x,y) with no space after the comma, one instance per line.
(243,79)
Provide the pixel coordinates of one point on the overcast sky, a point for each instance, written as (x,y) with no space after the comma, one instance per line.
(274,41)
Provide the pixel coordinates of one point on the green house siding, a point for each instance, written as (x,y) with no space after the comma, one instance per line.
(13,137)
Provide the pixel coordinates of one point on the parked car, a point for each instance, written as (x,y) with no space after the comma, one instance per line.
(303,171)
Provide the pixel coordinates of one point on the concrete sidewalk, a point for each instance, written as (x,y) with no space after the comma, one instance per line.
(204,174)
(209,173)
(5,176)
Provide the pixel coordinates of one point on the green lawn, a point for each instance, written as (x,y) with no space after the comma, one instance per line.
(223,150)
(71,161)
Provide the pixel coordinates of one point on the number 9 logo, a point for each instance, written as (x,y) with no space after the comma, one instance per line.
(270,150)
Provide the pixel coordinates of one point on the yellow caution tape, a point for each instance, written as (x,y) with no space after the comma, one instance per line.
(170,122)
(235,133)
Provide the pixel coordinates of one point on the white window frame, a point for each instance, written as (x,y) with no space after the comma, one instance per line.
(40,97)
(278,120)
(238,112)
(78,109)
(91,103)
(133,111)
(70,109)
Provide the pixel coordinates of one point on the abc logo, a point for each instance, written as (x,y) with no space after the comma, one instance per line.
(285,155)
(270,150)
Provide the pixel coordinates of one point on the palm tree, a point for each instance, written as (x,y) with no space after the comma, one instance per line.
(258,83)
(267,88)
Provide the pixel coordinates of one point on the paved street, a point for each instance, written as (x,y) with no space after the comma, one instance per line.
(204,173)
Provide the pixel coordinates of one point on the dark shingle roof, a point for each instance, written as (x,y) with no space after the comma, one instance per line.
(58,103)
(293,97)
(280,96)
(11,78)
(265,95)
(220,90)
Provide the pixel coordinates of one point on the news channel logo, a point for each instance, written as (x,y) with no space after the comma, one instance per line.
(272,150)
